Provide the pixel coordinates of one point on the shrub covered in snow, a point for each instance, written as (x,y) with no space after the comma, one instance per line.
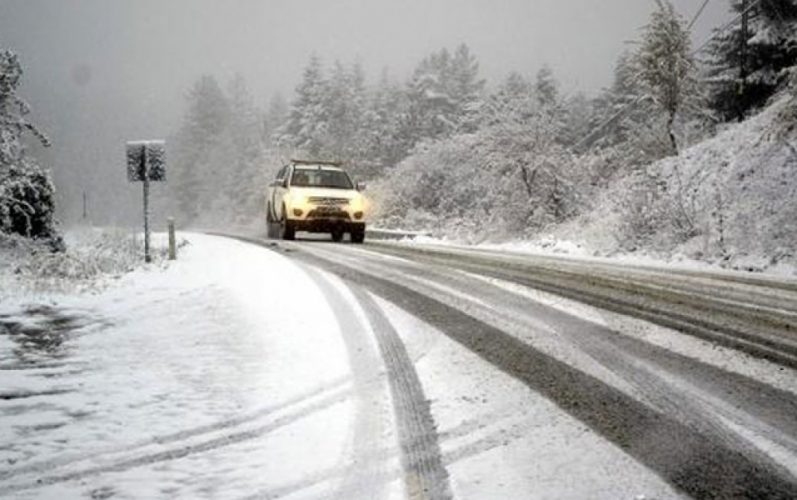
(92,255)
(26,191)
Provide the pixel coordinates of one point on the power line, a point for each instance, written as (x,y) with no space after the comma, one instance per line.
(697,16)
(725,27)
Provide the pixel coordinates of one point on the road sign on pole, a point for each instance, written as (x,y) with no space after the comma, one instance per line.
(146,162)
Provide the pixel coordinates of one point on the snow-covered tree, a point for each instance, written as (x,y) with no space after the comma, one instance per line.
(382,122)
(444,94)
(274,117)
(219,157)
(511,175)
(345,101)
(27,193)
(308,121)
(626,128)
(195,145)
(664,68)
(771,49)
(466,87)
(244,133)
(546,87)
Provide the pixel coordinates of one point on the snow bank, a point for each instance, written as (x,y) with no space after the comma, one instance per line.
(729,201)
(205,378)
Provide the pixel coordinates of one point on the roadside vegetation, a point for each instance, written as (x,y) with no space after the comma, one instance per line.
(27,194)
(447,152)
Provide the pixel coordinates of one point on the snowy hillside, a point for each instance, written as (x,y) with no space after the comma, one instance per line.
(730,200)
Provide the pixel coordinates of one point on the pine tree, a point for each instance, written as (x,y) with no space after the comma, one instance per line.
(770,50)
(664,66)
(626,128)
(385,114)
(546,87)
(245,135)
(444,95)
(345,102)
(431,107)
(203,128)
(465,87)
(308,121)
(27,193)
(274,117)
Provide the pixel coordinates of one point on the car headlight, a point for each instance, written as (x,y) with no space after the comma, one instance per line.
(298,200)
(357,203)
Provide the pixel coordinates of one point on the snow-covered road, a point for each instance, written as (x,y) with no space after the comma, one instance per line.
(312,370)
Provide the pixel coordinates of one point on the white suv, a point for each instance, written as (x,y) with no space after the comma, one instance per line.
(318,197)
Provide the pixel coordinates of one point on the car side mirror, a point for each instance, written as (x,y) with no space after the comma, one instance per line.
(361,186)
(284,182)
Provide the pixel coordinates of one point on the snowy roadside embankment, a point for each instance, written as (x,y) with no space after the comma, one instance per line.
(103,392)
(729,201)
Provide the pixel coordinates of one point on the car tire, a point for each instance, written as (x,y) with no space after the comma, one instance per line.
(337,236)
(358,235)
(286,229)
(273,231)
(272,227)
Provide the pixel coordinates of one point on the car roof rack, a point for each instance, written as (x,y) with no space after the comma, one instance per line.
(317,162)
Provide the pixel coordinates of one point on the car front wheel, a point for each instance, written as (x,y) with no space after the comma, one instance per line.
(287,231)
(358,235)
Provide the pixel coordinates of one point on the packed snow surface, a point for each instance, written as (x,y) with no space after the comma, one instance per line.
(228,341)
(240,372)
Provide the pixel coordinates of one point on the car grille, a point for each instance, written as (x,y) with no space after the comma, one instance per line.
(327,213)
(322,200)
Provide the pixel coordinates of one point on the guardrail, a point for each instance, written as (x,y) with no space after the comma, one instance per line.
(393,234)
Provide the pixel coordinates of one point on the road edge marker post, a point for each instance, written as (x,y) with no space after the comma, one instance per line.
(146,162)
(172,240)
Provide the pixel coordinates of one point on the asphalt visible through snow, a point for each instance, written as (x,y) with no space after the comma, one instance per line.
(697,425)
(254,368)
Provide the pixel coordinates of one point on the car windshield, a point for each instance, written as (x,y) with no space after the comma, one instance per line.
(317,177)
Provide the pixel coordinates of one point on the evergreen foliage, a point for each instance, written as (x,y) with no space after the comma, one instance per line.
(27,193)
(218,156)
(663,68)
(771,49)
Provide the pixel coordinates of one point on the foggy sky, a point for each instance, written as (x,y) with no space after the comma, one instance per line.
(99,72)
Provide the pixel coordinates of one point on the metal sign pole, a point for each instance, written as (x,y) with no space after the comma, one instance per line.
(147,257)
(146,162)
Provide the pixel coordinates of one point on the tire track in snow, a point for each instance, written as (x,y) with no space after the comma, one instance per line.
(305,408)
(362,478)
(751,328)
(494,439)
(425,475)
(48,465)
(698,465)
(669,381)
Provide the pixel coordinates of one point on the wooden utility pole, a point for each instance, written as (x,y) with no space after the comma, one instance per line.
(743,58)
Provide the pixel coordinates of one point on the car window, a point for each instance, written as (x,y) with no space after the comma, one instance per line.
(316,177)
